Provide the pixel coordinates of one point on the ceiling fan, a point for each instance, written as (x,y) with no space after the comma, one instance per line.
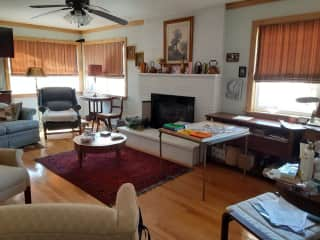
(79,13)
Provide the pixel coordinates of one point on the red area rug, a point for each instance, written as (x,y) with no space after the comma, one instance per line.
(102,174)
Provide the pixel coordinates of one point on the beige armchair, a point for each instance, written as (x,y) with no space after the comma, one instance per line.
(14,178)
(73,221)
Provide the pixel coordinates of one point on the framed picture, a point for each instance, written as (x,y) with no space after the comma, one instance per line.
(178,40)
(131,52)
(233,57)
(139,58)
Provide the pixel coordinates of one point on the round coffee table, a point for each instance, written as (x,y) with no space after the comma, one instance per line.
(99,145)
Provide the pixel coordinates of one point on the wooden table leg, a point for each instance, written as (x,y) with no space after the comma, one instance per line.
(118,154)
(80,158)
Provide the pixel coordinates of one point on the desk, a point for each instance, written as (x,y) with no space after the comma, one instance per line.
(95,105)
(268,137)
(226,133)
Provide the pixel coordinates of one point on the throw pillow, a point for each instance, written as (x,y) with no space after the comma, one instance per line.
(11,112)
(3,105)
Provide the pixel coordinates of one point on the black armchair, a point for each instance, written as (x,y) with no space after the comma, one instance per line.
(59,108)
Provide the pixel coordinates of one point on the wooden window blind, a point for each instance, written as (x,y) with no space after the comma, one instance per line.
(289,52)
(110,55)
(54,58)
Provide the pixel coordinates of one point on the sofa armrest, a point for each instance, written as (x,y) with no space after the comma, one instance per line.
(27,113)
(76,107)
(127,208)
(72,221)
(11,157)
(42,109)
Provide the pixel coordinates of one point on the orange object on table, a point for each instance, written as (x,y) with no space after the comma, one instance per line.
(200,134)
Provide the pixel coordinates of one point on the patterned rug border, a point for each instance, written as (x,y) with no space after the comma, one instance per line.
(139,193)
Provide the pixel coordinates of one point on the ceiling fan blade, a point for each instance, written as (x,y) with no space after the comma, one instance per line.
(101,8)
(50,12)
(48,6)
(108,16)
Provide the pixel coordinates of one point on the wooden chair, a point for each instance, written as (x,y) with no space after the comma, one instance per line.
(106,117)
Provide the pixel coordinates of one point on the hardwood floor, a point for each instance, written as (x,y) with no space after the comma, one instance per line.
(171,211)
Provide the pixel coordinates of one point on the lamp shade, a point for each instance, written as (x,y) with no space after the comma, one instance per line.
(94,70)
(35,72)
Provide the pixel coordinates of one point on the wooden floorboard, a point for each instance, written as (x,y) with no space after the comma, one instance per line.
(172,211)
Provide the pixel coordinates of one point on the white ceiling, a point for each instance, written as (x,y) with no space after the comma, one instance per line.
(18,10)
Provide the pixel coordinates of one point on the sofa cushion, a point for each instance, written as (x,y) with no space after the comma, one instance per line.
(59,105)
(19,126)
(3,130)
(60,116)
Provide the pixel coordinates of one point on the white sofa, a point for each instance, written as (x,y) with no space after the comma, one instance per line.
(175,149)
(73,221)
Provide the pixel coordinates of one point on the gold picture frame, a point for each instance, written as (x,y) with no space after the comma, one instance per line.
(131,52)
(178,40)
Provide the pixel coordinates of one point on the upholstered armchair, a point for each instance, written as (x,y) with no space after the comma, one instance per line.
(60,109)
(73,221)
(14,178)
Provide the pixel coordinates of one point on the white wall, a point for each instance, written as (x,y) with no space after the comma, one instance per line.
(238,34)
(208,44)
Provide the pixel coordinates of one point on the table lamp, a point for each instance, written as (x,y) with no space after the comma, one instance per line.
(35,72)
(94,71)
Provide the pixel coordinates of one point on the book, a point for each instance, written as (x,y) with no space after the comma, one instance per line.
(173,126)
(289,170)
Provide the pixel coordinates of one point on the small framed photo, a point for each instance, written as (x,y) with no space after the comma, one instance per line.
(233,57)
(242,71)
(139,58)
(131,52)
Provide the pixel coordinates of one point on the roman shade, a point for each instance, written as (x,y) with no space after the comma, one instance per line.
(54,58)
(289,52)
(110,55)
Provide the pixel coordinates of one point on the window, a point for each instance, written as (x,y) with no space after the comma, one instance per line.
(284,65)
(59,61)
(111,56)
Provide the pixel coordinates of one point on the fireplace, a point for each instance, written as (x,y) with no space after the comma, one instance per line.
(171,108)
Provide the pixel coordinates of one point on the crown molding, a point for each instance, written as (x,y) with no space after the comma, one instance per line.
(70,31)
(39,27)
(247,3)
(113,27)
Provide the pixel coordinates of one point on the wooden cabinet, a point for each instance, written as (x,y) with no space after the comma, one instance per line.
(5,96)
(267,137)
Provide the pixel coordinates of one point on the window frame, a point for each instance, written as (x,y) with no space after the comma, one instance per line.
(251,84)
(125,60)
(79,60)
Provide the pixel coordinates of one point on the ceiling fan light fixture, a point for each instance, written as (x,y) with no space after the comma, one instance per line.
(80,18)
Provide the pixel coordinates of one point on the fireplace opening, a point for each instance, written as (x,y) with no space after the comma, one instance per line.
(171,108)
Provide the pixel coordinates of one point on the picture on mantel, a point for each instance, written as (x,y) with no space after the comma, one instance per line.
(234,89)
(178,40)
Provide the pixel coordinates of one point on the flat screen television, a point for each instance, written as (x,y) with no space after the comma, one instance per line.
(6,43)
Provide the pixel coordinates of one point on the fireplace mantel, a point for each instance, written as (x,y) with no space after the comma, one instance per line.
(181,75)
(206,88)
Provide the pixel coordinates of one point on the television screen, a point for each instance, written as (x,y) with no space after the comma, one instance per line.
(6,43)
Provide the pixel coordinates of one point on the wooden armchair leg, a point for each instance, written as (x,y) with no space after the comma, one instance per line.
(98,125)
(27,195)
(109,124)
(45,134)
